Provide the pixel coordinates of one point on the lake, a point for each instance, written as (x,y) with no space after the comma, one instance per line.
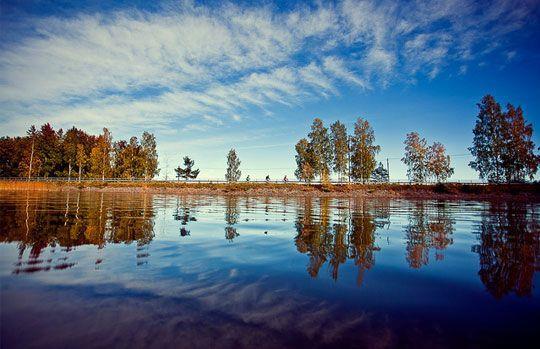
(95,269)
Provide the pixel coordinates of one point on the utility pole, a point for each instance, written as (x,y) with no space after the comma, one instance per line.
(388,169)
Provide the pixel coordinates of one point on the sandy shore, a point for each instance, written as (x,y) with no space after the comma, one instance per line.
(529,192)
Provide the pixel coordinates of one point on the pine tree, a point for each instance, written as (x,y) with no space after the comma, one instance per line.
(233,167)
(363,151)
(340,147)
(321,148)
(187,172)
(415,158)
(48,148)
(380,174)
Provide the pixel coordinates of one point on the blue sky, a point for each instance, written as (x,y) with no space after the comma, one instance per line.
(208,76)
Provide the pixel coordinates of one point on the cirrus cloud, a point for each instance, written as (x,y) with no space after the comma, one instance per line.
(211,65)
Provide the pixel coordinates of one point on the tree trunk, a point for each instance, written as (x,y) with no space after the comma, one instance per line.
(69,172)
(31,160)
(80,172)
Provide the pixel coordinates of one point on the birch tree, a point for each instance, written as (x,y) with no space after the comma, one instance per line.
(363,150)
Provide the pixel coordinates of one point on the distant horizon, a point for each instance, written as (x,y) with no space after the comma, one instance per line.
(206,77)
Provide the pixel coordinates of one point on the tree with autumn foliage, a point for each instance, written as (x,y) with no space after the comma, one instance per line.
(82,159)
(438,163)
(100,156)
(519,160)
(304,161)
(502,145)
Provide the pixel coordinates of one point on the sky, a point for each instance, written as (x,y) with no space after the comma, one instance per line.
(208,76)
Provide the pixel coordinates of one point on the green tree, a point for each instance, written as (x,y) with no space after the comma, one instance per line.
(380,174)
(69,147)
(340,147)
(363,151)
(489,141)
(233,167)
(187,172)
(149,155)
(416,158)
(304,161)
(321,148)
(48,148)
(438,163)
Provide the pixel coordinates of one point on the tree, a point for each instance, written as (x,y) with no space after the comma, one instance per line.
(380,174)
(130,159)
(69,147)
(519,160)
(415,158)
(488,142)
(321,148)
(187,172)
(81,158)
(100,155)
(340,147)
(233,167)
(304,161)
(47,145)
(363,151)
(149,155)
(438,163)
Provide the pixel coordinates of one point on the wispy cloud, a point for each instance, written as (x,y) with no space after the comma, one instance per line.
(211,65)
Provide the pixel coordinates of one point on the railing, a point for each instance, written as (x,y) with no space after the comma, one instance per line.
(220,181)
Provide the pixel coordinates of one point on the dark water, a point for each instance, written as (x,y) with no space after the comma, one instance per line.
(139,270)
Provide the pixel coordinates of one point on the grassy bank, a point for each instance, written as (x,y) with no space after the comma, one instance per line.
(448,190)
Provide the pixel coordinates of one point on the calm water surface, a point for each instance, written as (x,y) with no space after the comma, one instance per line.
(86,269)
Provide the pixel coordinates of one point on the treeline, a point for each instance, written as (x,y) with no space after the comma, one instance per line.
(352,156)
(502,147)
(74,153)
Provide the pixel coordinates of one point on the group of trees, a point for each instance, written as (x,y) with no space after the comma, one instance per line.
(353,156)
(324,152)
(425,162)
(45,152)
(502,147)
(502,144)
(233,168)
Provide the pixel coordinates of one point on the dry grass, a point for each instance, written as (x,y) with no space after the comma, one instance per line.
(448,190)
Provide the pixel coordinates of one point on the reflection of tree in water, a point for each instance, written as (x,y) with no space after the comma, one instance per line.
(430,226)
(352,237)
(232,216)
(509,248)
(88,219)
(362,246)
(183,214)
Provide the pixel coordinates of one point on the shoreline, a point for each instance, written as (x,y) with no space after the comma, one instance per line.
(450,191)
